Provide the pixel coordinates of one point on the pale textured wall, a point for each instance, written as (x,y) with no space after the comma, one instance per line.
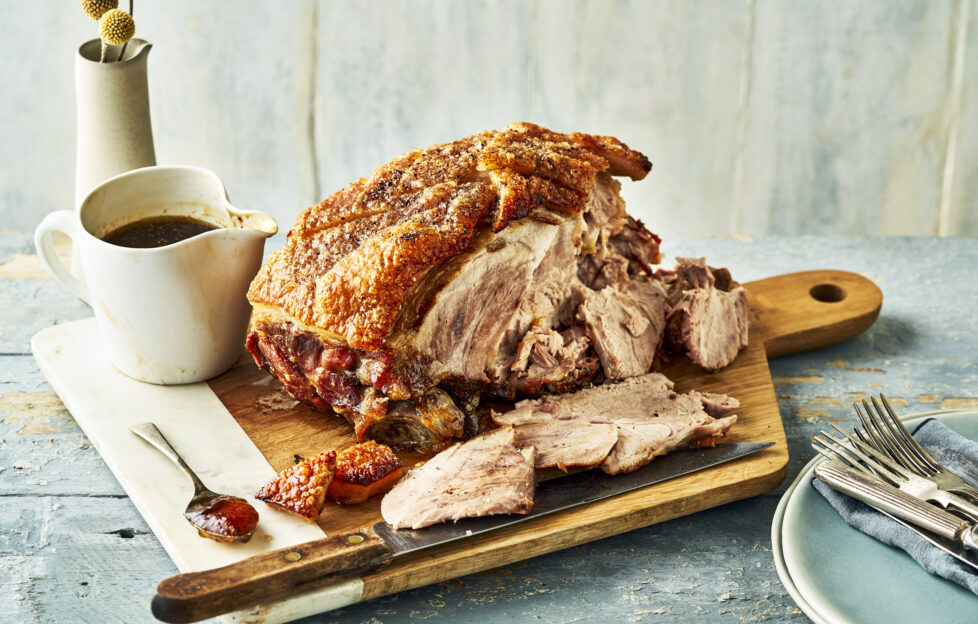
(760,117)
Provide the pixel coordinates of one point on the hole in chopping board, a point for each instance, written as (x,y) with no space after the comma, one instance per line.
(827,293)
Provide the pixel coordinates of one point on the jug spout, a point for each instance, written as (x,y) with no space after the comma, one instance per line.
(254,222)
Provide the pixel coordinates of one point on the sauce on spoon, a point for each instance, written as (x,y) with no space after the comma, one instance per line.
(223,518)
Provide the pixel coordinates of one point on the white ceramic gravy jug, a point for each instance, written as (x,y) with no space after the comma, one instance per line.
(173,314)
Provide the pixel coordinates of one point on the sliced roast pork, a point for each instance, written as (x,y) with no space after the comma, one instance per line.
(649,418)
(455,274)
(625,322)
(500,266)
(567,443)
(716,405)
(484,476)
(709,314)
(641,438)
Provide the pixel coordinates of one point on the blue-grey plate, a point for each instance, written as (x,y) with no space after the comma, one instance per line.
(838,575)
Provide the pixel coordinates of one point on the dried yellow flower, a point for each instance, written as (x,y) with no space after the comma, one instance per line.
(116,27)
(95,9)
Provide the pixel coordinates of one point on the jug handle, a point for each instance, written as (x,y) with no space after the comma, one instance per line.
(64,221)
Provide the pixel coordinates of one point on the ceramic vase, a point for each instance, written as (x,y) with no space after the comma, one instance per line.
(114,132)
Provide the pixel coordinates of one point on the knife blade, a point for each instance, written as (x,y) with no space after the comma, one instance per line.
(952,534)
(195,596)
(573,490)
(955,549)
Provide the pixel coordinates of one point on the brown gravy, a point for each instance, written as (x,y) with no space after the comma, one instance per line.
(157,232)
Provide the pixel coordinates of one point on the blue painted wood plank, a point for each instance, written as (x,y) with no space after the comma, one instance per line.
(43,452)
(77,559)
(715,566)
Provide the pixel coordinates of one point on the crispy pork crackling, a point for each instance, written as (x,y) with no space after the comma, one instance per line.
(500,266)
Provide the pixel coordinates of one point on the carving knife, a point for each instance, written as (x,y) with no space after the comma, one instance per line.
(953,535)
(195,596)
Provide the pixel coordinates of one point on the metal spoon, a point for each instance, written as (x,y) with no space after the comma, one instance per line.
(217,516)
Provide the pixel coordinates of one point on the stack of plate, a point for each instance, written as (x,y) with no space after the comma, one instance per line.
(837,574)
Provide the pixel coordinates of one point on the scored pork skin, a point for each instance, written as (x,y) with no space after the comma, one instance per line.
(442,271)
(350,261)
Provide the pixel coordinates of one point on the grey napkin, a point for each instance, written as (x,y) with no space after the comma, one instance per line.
(959,455)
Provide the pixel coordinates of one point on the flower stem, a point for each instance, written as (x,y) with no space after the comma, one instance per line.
(105,48)
(123,50)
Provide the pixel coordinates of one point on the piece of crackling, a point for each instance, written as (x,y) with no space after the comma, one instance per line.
(362,471)
(301,489)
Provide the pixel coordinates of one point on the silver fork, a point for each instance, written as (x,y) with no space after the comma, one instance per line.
(860,455)
(886,433)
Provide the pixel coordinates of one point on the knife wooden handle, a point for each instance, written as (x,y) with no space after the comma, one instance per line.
(269,576)
(802,311)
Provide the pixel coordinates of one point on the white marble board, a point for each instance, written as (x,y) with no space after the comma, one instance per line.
(105,403)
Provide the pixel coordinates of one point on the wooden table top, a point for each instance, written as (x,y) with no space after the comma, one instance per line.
(72,546)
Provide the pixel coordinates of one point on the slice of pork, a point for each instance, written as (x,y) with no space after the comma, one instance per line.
(640,439)
(716,405)
(568,443)
(650,419)
(484,476)
(625,322)
(710,315)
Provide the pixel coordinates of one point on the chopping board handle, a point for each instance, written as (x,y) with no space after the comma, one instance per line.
(802,311)
(196,596)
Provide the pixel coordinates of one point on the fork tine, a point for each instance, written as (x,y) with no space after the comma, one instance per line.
(880,436)
(897,439)
(820,444)
(840,450)
(914,446)
(845,445)
(872,432)
(881,464)
(828,453)
(862,436)
(890,438)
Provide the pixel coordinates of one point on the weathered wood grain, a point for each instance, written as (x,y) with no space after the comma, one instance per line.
(713,566)
(961,176)
(30,299)
(42,449)
(76,559)
(664,77)
(785,118)
(390,80)
(845,114)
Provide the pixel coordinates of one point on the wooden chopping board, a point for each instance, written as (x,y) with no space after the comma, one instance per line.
(789,313)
